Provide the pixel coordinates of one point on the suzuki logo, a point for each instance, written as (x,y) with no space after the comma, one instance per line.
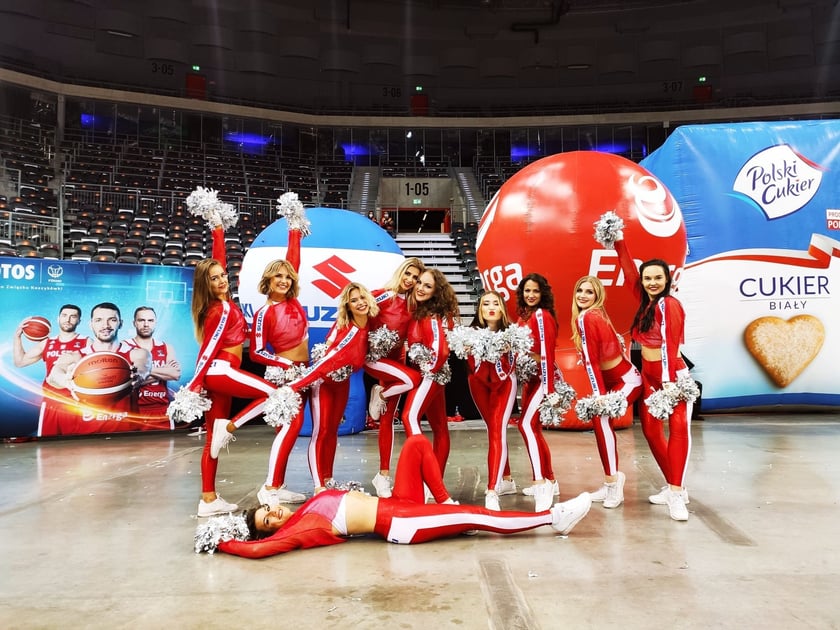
(333,270)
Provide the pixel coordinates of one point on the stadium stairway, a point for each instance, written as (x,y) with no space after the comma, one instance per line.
(438,250)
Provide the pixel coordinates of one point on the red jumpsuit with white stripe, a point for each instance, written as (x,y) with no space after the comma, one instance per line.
(403,519)
(279,326)
(493,388)
(218,371)
(599,344)
(59,412)
(666,334)
(345,347)
(391,371)
(428,396)
(544,331)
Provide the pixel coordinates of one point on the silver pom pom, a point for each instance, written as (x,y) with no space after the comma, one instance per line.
(188,405)
(341,374)
(318,351)
(519,338)
(526,368)
(349,486)
(290,207)
(442,376)
(555,405)
(588,408)
(281,406)
(211,531)
(380,342)
(205,203)
(461,340)
(280,375)
(608,229)
(613,405)
(660,404)
(421,356)
(688,389)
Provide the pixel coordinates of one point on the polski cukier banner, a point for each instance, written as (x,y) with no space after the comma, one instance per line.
(54,309)
(761,203)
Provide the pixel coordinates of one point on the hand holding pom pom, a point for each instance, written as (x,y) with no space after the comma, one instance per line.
(608,229)
(216,529)
(205,203)
(188,405)
(290,207)
(282,405)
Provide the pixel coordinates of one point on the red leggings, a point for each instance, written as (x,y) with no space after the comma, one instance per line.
(624,378)
(405,518)
(326,404)
(396,379)
(428,398)
(494,402)
(530,427)
(284,442)
(223,382)
(670,453)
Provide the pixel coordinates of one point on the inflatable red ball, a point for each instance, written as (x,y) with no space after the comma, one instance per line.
(101,379)
(36,328)
(542,220)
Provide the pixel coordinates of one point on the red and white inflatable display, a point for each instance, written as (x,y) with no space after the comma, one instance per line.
(542,220)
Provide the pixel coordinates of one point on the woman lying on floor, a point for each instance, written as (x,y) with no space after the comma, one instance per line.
(330,516)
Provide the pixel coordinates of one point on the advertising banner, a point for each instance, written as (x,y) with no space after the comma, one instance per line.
(761,203)
(72,341)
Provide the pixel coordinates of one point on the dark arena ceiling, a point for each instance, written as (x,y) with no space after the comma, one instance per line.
(470,57)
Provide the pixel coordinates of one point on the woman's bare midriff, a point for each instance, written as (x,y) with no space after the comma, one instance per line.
(651,354)
(300,353)
(360,512)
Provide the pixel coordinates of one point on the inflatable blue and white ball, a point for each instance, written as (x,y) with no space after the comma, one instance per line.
(343,247)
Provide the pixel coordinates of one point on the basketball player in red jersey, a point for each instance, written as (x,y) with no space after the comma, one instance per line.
(153,394)
(54,408)
(105,322)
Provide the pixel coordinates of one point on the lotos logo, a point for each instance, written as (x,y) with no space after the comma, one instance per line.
(778,180)
(17,271)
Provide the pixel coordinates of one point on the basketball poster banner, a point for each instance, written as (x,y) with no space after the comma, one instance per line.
(761,203)
(77,337)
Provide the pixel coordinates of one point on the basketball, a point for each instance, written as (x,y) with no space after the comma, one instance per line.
(36,328)
(101,379)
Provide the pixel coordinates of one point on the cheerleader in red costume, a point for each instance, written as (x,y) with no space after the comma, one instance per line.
(221,330)
(434,308)
(345,351)
(493,387)
(330,517)
(658,328)
(280,340)
(393,376)
(609,370)
(535,303)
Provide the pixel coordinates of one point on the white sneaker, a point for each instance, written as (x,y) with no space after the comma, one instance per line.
(221,437)
(564,516)
(615,492)
(450,501)
(216,507)
(382,485)
(661,498)
(376,406)
(676,506)
(599,495)
(278,495)
(543,496)
(506,486)
(528,491)
(491,500)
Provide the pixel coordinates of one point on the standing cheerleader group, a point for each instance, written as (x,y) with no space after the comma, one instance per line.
(402,336)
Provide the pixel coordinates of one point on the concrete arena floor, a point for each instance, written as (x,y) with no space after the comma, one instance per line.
(97,533)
